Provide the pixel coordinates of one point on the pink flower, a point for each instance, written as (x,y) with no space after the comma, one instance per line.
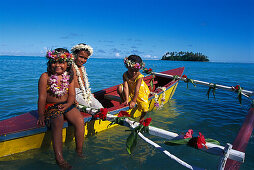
(188,134)
(156,105)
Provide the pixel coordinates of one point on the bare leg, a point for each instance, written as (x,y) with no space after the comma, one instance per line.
(142,117)
(57,126)
(76,119)
(121,92)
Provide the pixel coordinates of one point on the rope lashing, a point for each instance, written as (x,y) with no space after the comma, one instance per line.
(187,80)
(211,87)
(238,89)
(175,77)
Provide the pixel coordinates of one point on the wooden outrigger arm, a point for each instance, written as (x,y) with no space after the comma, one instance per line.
(228,88)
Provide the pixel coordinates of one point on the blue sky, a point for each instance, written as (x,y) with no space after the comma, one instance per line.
(222,30)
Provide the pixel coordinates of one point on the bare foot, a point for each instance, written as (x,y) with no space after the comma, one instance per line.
(64,165)
(80,154)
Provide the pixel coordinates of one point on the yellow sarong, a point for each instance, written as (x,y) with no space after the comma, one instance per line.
(142,99)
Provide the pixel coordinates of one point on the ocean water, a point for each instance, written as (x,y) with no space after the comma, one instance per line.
(218,118)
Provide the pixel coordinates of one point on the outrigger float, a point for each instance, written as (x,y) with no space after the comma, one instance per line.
(19,134)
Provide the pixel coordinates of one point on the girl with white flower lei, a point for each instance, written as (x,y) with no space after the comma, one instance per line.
(84,97)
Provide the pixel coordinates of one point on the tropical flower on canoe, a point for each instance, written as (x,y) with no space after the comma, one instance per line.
(147,71)
(188,134)
(184,76)
(195,142)
(102,114)
(157,105)
(146,122)
(132,138)
(237,87)
(201,141)
(123,114)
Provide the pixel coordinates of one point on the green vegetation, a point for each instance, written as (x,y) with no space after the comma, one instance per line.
(184,56)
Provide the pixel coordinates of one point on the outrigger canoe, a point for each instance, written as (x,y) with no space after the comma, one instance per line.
(21,133)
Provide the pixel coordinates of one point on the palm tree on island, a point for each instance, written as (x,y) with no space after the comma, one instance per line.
(184,56)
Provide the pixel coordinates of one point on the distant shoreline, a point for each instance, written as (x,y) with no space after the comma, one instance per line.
(122,58)
(185,56)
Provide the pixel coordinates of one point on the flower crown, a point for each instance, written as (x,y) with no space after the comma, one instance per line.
(129,63)
(81,47)
(58,56)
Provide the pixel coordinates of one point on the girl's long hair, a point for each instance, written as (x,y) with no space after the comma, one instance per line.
(69,65)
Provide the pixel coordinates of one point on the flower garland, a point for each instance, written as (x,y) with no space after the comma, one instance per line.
(197,142)
(129,63)
(156,98)
(55,89)
(57,56)
(132,138)
(86,90)
(81,47)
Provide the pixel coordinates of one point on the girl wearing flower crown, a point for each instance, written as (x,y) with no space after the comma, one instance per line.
(56,102)
(134,89)
(84,97)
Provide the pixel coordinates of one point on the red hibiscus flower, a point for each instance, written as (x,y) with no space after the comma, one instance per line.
(103,113)
(201,141)
(188,134)
(146,122)
(184,76)
(150,70)
(123,114)
(237,87)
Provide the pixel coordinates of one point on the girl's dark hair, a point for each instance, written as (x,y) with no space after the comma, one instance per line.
(135,59)
(69,64)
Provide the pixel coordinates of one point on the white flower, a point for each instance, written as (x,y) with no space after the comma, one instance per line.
(86,90)
(83,47)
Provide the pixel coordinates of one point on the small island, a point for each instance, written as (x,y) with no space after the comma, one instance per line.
(184,56)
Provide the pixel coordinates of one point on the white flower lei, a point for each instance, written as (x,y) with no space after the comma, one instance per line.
(80,47)
(86,90)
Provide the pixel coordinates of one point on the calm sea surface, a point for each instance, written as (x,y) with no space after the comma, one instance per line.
(218,118)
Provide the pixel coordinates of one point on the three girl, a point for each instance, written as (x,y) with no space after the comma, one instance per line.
(56,102)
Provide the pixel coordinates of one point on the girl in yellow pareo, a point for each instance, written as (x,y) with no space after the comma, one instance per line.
(134,89)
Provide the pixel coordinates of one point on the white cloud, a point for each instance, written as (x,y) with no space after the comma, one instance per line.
(150,57)
(117,54)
